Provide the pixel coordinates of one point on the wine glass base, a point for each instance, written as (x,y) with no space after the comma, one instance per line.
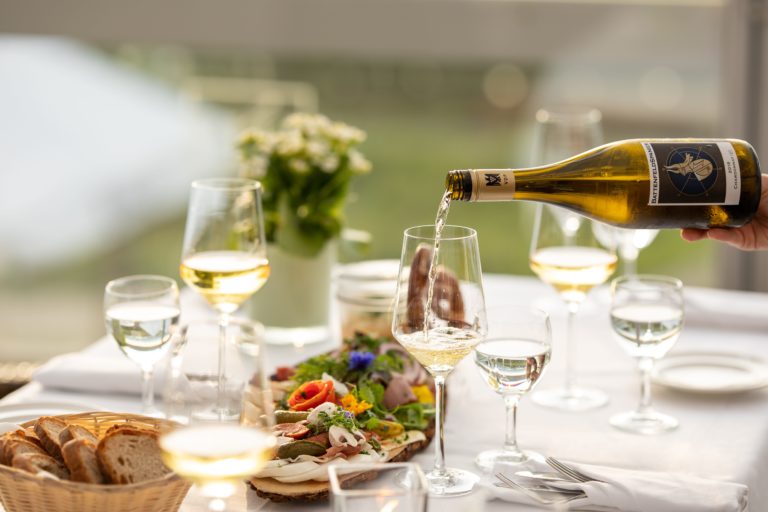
(647,423)
(573,399)
(487,459)
(451,482)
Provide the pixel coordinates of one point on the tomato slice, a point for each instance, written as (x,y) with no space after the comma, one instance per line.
(311,394)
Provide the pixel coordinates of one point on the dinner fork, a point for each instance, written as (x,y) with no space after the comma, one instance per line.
(569,471)
(544,496)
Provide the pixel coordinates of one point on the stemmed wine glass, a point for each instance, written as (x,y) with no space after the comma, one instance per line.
(224,256)
(439,317)
(141,313)
(647,317)
(511,360)
(566,254)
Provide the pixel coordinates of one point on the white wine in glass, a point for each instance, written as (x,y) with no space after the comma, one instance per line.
(439,316)
(141,313)
(217,457)
(224,256)
(566,255)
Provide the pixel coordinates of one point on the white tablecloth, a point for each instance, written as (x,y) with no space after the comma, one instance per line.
(720,437)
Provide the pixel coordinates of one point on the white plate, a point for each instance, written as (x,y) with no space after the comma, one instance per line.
(711,373)
(19,413)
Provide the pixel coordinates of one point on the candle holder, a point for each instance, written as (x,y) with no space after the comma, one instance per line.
(379,487)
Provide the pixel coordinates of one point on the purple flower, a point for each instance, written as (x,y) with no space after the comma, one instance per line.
(360,360)
(349,415)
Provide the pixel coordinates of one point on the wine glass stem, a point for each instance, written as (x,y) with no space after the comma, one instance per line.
(510,441)
(147,391)
(630,265)
(568,348)
(440,419)
(221,388)
(646,367)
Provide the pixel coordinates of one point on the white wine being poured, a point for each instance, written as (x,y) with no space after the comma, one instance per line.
(639,184)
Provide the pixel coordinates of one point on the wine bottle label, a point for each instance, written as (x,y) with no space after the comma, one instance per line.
(687,174)
(493,184)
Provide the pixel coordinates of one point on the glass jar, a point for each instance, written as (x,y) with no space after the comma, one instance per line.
(365,293)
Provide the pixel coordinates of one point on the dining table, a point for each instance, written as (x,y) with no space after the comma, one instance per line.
(722,433)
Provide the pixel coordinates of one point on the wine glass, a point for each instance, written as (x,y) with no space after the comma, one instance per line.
(217,454)
(628,242)
(224,256)
(565,254)
(511,360)
(647,317)
(439,316)
(141,313)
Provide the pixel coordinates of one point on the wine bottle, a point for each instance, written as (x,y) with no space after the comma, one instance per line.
(641,183)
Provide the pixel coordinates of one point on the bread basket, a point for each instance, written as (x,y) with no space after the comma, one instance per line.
(23,492)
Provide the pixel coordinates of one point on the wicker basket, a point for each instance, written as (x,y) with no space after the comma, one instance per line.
(23,492)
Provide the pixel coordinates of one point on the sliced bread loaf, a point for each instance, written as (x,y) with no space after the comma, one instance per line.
(128,456)
(76,432)
(80,459)
(48,430)
(36,462)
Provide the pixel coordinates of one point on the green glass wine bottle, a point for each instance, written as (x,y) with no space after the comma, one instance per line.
(641,183)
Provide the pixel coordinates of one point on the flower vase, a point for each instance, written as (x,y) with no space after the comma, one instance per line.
(294,304)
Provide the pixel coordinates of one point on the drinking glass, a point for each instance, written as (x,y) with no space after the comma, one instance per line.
(224,256)
(141,313)
(439,316)
(511,360)
(566,254)
(396,487)
(214,452)
(646,317)
(628,243)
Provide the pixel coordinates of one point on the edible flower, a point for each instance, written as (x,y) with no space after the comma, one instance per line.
(311,394)
(423,394)
(351,404)
(360,360)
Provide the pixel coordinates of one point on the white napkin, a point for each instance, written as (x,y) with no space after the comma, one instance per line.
(634,491)
(101,368)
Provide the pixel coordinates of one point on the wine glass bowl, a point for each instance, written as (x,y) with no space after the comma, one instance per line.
(646,317)
(439,316)
(511,361)
(141,313)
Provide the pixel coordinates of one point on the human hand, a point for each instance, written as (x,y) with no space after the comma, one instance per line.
(749,237)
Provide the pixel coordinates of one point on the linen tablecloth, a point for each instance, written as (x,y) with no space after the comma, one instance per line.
(720,437)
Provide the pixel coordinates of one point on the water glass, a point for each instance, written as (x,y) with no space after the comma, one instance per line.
(378,487)
(646,317)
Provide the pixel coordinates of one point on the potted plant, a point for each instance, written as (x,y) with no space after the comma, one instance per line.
(305,168)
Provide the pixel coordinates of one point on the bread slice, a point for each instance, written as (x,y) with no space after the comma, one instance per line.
(128,456)
(36,462)
(48,430)
(80,459)
(14,446)
(76,432)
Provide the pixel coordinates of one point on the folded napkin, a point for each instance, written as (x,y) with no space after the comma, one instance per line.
(101,368)
(630,490)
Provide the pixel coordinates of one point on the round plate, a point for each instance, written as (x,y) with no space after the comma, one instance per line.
(19,413)
(711,373)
